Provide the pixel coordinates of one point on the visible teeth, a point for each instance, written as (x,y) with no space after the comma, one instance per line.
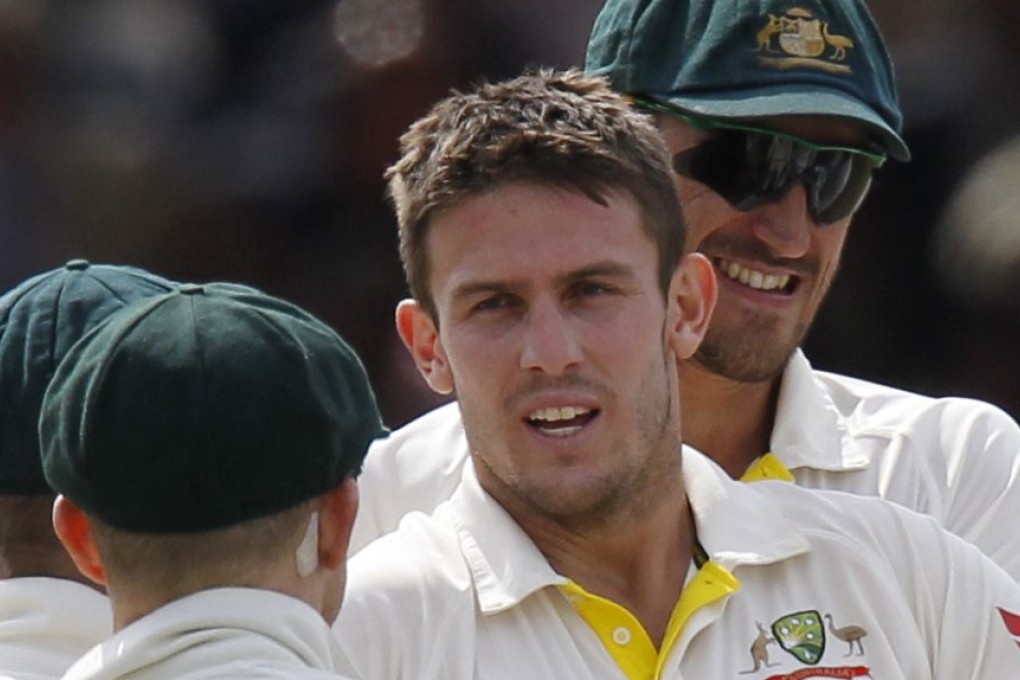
(562,431)
(553,415)
(754,279)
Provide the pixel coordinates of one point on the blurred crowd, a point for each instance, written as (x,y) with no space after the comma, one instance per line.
(246,140)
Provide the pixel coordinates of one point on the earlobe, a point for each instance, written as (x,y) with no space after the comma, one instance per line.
(692,300)
(75,533)
(420,336)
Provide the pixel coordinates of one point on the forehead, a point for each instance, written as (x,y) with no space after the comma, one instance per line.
(528,231)
(820,129)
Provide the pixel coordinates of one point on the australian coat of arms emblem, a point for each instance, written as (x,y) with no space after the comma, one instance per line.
(800,39)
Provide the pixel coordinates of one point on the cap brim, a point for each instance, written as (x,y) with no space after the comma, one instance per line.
(790,101)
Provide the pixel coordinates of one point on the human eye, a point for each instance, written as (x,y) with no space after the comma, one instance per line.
(493,303)
(591,289)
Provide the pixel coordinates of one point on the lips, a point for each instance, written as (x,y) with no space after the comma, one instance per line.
(783,284)
(561,421)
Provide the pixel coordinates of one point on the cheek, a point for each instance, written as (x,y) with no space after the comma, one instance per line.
(703,210)
(830,242)
(622,354)
(477,361)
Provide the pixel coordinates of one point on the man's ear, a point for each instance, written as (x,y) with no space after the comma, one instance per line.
(339,509)
(420,336)
(692,296)
(75,532)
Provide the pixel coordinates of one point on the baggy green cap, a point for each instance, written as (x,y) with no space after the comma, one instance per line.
(204,408)
(40,319)
(749,59)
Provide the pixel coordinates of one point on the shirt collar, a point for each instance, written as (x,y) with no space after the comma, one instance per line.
(809,429)
(736,525)
(505,563)
(215,626)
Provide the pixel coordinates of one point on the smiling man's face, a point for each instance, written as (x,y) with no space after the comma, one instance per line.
(774,264)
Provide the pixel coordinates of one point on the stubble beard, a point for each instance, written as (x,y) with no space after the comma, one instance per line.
(753,353)
(618,493)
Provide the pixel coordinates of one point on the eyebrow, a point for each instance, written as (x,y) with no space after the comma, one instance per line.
(605,268)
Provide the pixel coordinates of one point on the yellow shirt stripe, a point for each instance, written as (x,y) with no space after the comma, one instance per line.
(625,638)
(622,634)
(768,466)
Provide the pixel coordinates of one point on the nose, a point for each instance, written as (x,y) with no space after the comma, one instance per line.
(785,225)
(550,343)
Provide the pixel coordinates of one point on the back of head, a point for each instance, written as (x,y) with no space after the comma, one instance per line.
(751,59)
(205,408)
(40,320)
(565,129)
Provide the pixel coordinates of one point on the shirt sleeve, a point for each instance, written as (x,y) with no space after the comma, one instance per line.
(982,446)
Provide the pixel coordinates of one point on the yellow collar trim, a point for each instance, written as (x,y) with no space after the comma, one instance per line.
(625,638)
(768,466)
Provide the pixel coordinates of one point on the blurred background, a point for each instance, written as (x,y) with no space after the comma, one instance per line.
(245,140)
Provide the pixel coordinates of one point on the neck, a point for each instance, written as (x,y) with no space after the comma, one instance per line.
(730,422)
(27,562)
(28,545)
(131,601)
(638,561)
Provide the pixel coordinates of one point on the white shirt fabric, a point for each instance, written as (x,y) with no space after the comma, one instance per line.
(957,460)
(46,624)
(220,633)
(465,594)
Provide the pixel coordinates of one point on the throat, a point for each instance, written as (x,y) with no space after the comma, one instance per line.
(729,422)
(643,571)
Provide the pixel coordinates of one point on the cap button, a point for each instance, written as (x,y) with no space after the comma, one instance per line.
(77,265)
(191,289)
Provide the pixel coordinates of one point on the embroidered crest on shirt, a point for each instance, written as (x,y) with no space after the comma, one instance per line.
(800,39)
(760,650)
(802,635)
(1012,622)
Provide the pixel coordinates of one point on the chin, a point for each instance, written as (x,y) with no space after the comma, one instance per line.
(745,364)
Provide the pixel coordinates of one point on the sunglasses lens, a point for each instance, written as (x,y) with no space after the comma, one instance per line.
(721,164)
(749,169)
(838,194)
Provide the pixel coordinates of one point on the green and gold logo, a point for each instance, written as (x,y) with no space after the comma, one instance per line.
(802,635)
(800,39)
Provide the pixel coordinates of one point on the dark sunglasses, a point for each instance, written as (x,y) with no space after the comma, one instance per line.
(750,166)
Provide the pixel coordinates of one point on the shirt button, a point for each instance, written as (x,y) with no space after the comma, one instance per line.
(621,636)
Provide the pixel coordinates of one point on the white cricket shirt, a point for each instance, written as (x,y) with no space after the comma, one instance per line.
(217,634)
(800,584)
(46,624)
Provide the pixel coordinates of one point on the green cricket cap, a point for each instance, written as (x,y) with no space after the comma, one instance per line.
(40,319)
(750,59)
(204,408)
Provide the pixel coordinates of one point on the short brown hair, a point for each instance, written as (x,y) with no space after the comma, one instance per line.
(559,128)
(173,565)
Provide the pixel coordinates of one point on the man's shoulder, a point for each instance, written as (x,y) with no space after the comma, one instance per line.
(881,406)
(423,549)
(431,429)
(414,586)
(414,469)
(430,446)
(871,527)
